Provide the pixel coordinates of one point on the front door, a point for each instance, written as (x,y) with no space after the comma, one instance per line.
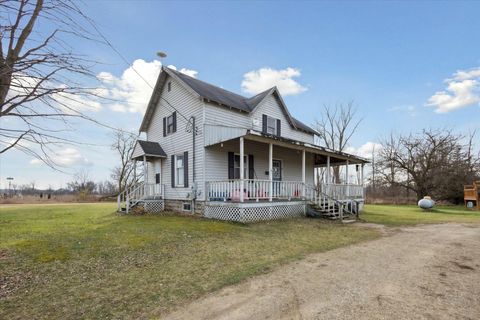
(277,170)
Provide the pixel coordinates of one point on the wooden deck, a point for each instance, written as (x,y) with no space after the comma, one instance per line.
(471,193)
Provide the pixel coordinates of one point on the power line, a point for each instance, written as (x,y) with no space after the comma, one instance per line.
(90,21)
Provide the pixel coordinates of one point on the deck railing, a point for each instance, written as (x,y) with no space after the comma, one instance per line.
(140,191)
(343,191)
(253,189)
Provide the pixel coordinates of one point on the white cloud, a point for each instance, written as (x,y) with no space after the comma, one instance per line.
(188,72)
(462,90)
(66,158)
(467,74)
(409,109)
(260,80)
(365,150)
(131,91)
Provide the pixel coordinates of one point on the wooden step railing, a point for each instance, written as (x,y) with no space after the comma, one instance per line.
(331,206)
(138,192)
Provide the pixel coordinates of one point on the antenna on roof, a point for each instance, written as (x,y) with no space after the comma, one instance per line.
(161,55)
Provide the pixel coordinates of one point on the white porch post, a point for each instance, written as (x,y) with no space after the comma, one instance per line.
(270,170)
(145,172)
(242,165)
(145,169)
(328,170)
(303,173)
(362,179)
(346,179)
(327,176)
(161,172)
(134,170)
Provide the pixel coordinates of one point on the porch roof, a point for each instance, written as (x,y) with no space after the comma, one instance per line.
(148,149)
(336,157)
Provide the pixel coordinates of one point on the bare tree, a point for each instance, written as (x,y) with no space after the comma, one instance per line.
(42,78)
(106,188)
(336,127)
(125,173)
(435,162)
(82,183)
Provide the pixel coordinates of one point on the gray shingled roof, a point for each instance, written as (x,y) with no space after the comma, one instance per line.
(152,148)
(230,99)
(214,93)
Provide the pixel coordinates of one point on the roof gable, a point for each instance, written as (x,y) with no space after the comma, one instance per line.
(148,148)
(209,92)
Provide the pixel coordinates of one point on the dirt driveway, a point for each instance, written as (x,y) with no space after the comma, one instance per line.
(423,272)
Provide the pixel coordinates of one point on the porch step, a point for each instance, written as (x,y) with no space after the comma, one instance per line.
(329,212)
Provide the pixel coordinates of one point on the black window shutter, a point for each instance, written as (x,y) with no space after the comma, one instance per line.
(264,123)
(173,171)
(175,121)
(164,127)
(185,169)
(231,161)
(251,167)
(278,127)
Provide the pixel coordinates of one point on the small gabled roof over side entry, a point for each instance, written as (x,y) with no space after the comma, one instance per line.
(217,95)
(149,149)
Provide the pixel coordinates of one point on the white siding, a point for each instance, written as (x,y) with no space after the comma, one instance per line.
(180,141)
(137,150)
(229,122)
(212,161)
(216,161)
(220,115)
(271,107)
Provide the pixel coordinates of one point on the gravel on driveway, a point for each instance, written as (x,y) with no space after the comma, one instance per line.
(422,272)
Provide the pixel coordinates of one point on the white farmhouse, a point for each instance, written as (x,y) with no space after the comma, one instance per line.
(215,153)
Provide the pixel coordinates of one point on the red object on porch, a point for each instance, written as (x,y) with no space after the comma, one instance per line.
(236,195)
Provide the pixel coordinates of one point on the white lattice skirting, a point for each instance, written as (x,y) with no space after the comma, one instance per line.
(256,211)
(154,206)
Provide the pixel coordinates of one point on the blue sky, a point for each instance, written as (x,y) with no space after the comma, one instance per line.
(391,58)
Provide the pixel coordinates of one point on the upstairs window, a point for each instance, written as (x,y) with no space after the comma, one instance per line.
(170,124)
(271,125)
(169,86)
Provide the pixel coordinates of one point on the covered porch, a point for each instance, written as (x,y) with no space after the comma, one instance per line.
(148,194)
(279,169)
(279,176)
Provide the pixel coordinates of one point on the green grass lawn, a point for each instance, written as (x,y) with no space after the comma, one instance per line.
(409,215)
(84,261)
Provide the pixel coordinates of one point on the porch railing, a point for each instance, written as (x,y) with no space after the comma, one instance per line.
(140,191)
(343,191)
(253,189)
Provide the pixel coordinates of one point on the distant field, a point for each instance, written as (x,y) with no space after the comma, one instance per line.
(396,215)
(83,261)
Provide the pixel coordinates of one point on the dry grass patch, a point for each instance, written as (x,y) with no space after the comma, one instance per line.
(84,261)
(400,215)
